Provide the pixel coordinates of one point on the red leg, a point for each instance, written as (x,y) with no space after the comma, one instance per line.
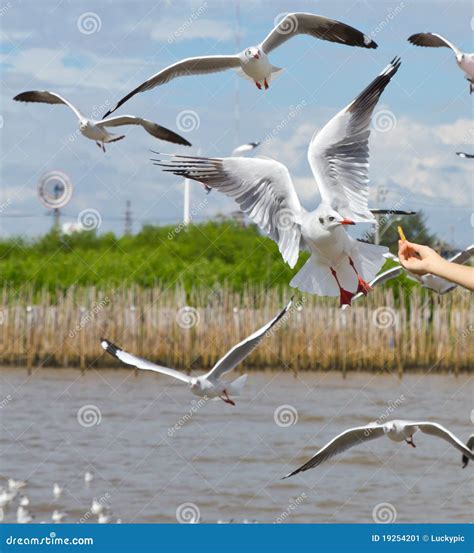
(345,296)
(362,285)
(266,84)
(258,85)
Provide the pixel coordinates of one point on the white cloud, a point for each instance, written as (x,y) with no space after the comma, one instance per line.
(175,29)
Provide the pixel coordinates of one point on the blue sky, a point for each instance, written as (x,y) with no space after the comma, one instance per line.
(43,46)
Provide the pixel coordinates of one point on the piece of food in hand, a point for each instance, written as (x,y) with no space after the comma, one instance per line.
(401,233)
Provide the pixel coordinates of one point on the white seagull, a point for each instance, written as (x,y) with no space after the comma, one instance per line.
(464,61)
(209,385)
(24,501)
(23,516)
(97,507)
(465,155)
(253,62)
(58,516)
(430,282)
(57,490)
(15,485)
(339,159)
(88,477)
(6,497)
(396,430)
(97,130)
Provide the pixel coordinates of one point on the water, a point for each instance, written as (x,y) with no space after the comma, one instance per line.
(226,460)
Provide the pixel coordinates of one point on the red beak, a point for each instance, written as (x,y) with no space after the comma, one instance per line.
(346,222)
(256,56)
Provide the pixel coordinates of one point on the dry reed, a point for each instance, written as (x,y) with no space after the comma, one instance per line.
(377,333)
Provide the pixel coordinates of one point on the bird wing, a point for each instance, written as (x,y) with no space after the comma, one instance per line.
(152,128)
(46,97)
(345,440)
(393,272)
(189,66)
(463,257)
(317,26)
(262,187)
(435,429)
(464,154)
(139,362)
(240,351)
(339,153)
(433,40)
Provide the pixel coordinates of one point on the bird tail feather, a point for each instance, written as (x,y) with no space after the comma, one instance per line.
(237,385)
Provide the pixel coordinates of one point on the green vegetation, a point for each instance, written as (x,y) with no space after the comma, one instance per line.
(205,255)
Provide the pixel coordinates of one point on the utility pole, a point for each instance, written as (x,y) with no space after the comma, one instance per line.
(128,218)
(237,81)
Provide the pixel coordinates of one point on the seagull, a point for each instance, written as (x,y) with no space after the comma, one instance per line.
(464,61)
(58,516)
(15,485)
(97,507)
(57,490)
(431,282)
(88,477)
(6,497)
(24,501)
(103,518)
(209,385)
(23,516)
(97,130)
(244,148)
(470,445)
(253,63)
(463,154)
(339,158)
(395,430)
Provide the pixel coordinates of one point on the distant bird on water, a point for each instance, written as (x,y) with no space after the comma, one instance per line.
(211,384)
(253,63)
(97,130)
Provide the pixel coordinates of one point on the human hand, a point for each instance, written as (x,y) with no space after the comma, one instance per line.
(418,259)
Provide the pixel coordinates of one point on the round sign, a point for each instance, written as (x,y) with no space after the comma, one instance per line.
(55,189)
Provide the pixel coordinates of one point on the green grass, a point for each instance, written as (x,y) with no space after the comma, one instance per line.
(203,255)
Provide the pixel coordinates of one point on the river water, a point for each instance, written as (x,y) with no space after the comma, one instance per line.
(158,453)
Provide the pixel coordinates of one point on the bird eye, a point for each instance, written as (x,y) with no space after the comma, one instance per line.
(249,53)
(321,220)
(331,218)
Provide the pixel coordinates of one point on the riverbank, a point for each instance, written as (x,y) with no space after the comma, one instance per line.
(386,331)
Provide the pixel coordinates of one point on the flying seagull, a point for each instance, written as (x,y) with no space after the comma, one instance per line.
(339,159)
(396,430)
(430,282)
(97,130)
(463,154)
(253,62)
(464,61)
(211,384)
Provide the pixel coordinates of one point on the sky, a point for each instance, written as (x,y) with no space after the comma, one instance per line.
(95,52)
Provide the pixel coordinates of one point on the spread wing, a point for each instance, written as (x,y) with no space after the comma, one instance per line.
(317,26)
(152,128)
(463,257)
(262,187)
(46,97)
(433,40)
(139,362)
(239,352)
(435,429)
(189,66)
(339,153)
(344,441)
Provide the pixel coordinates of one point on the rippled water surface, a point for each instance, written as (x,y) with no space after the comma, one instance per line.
(155,448)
